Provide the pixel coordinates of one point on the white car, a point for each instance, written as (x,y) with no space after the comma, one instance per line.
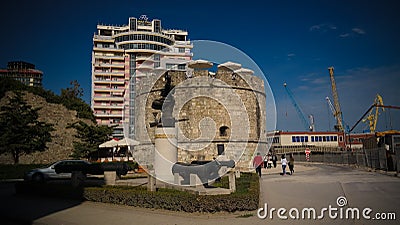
(48,173)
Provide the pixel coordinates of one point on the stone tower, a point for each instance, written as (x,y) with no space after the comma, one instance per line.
(218,115)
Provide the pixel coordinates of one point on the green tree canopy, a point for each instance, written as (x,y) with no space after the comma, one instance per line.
(71,98)
(91,136)
(20,131)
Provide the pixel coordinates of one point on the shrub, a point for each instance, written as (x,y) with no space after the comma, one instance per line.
(245,199)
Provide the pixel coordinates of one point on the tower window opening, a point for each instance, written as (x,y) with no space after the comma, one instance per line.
(223,131)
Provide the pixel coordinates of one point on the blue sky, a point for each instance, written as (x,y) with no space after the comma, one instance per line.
(292,41)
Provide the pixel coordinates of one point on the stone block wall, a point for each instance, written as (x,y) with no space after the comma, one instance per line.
(224,109)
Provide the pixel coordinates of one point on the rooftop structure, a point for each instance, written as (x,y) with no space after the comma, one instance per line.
(122,56)
(24,72)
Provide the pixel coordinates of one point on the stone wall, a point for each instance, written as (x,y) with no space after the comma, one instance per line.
(61,146)
(224,109)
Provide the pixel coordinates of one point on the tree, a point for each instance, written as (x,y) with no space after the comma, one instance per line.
(75,91)
(71,98)
(9,84)
(20,131)
(91,136)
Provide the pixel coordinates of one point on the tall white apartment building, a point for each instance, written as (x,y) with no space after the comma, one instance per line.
(121,56)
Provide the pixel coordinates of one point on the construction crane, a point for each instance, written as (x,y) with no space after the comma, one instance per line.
(331,106)
(369,110)
(372,118)
(337,113)
(312,126)
(308,126)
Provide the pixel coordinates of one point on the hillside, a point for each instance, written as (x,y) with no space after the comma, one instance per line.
(61,145)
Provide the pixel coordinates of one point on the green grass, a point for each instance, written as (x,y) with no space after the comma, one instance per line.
(247,215)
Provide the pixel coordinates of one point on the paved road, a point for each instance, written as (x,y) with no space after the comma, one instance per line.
(310,187)
(321,187)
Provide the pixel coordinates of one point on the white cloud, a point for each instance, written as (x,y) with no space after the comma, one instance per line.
(358,30)
(315,27)
(344,35)
(323,27)
(291,55)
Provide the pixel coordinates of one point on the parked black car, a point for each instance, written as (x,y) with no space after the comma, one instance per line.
(121,168)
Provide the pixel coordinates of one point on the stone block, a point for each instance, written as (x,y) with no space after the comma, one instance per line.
(110,177)
(232,181)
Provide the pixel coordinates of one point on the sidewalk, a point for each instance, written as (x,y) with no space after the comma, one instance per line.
(298,168)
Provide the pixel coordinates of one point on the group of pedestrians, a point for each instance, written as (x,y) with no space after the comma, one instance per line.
(259,162)
(285,162)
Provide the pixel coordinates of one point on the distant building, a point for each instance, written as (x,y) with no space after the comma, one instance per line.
(24,72)
(294,141)
(121,56)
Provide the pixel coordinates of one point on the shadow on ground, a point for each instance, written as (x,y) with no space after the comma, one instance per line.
(23,202)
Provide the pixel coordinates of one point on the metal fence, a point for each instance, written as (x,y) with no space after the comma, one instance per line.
(377,158)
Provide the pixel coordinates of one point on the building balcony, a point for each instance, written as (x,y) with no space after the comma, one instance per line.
(117,65)
(188,43)
(100,106)
(107,49)
(108,115)
(109,89)
(99,81)
(142,51)
(122,82)
(115,92)
(109,65)
(108,98)
(145,58)
(101,38)
(108,72)
(145,67)
(109,57)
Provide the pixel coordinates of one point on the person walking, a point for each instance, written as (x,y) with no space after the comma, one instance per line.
(284,163)
(291,164)
(258,163)
(274,159)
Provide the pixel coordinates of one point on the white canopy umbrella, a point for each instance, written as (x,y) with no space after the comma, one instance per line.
(127,142)
(109,144)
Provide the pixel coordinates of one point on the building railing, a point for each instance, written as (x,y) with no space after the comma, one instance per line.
(121,57)
(102,37)
(108,115)
(100,106)
(109,64)
(111,98)
(108,81)
(108,72)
